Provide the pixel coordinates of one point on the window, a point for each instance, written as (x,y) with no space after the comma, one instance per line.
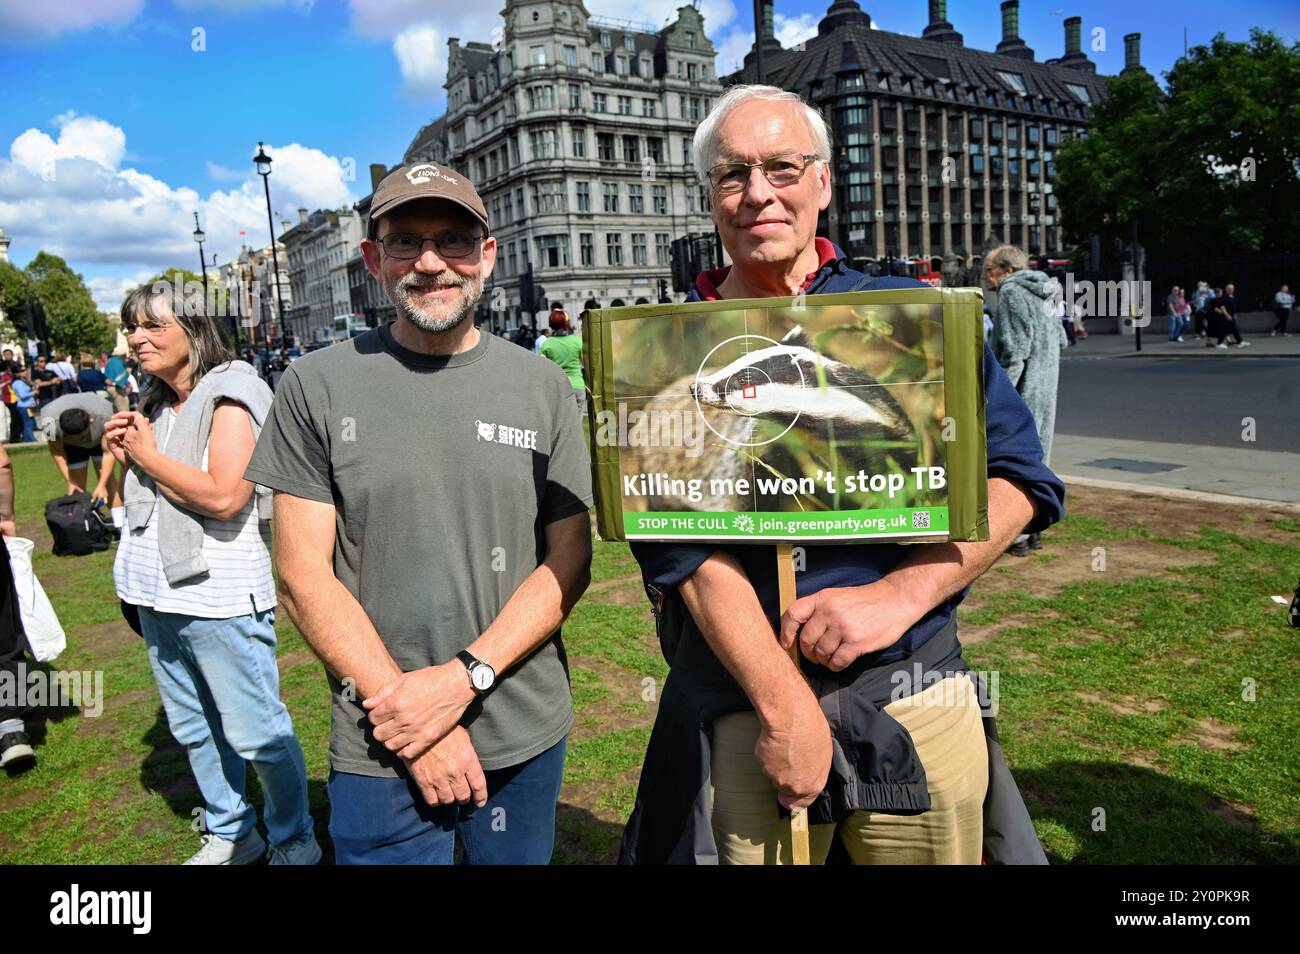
(638,248)
(614,248)
(1032,133)
(976,164)
(659,196)
(541,97)
(654,147)
(605,147)
(1014,80)
(605,41)
(579,143)
(584,196)
(636,200)
(600,102)
(695,109)
(631,149)
(597,62)
(686,150)
(629,42)
(663,248)
(510,211)
(1051,135)
(648,107)
(690,39)
(620,65)
(514,150)
(510,258)
(542,143)
(645,68)
(610,190)
(1080,93)
(548,197)
(692,71)
(552,251)
(537,55)
(575,96)
(570,55)
(995,130)
(625,105)
(586,252)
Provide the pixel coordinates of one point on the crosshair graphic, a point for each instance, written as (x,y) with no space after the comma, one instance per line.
(750,379)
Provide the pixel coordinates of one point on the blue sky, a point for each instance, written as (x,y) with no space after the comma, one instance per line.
(114,129)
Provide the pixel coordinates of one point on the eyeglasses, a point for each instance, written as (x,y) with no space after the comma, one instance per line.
(405,246)
(784,170)
(150,328)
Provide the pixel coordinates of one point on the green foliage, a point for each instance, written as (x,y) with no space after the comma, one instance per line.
(1212,163)
(73,321)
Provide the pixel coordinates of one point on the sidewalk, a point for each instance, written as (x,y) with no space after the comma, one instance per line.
(1156,345)
(1152,465)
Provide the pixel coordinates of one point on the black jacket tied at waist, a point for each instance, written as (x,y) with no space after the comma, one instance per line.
(874,764)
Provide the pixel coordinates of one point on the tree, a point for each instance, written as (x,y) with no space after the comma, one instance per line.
(1213,164)
(15,296)
(190,284)
(73,321)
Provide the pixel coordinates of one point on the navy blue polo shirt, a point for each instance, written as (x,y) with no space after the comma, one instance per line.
(1014,453)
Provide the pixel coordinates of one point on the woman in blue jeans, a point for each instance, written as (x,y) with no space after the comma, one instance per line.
(196,562)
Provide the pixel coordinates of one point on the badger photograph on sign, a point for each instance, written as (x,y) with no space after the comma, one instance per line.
(857,416)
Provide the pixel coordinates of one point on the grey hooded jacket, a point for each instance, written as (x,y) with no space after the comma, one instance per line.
(1027,340)
(180,531)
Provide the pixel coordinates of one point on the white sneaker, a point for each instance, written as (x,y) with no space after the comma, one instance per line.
(303,852)
(1243,344)
(1180,337)
(221,851)
(1222,346)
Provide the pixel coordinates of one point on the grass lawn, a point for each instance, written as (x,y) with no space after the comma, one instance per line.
(1125,652)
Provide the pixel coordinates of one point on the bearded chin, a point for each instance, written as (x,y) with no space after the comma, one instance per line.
(410,309)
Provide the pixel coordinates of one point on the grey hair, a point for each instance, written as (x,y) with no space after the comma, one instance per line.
(704,148)
(1009,257)
(209,346)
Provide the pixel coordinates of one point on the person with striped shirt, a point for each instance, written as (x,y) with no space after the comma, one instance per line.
(196,562)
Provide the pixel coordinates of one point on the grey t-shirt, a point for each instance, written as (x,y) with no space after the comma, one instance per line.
(94,405)
(443,472)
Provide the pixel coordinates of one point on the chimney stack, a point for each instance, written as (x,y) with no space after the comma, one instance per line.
(1074,55)
(1132,53)
(302,216)
(939,29)
(1011,44)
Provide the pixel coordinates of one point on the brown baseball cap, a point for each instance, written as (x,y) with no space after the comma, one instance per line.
(425,180)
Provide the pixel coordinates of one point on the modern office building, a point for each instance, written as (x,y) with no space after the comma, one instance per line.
(937,148)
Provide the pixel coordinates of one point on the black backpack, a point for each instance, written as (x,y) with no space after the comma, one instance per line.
(76,526)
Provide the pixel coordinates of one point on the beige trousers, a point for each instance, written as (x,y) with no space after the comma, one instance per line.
(944,722)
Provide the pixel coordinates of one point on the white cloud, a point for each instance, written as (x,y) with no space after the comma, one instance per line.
(419,51)
(28,19)
(241,6)
(70,197)
(791,30)
(732,50)
(109,291)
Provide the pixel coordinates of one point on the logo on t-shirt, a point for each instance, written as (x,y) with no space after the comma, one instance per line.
(504,434)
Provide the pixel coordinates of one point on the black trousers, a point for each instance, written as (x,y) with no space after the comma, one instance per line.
(1282,315)
(13,642)
(15,423)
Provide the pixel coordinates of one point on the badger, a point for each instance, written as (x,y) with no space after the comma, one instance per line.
(789,384)
(789,380)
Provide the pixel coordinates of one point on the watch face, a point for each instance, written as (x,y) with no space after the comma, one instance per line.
(482,677)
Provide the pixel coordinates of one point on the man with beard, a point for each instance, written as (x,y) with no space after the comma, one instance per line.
(432,486)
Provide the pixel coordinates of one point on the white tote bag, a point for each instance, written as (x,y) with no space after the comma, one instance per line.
(44,633)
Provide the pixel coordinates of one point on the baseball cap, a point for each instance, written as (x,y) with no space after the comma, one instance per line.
(425,180)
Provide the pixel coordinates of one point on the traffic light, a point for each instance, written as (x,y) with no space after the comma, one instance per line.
(663,291)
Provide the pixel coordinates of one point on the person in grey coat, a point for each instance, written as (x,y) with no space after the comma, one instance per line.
(1027,341)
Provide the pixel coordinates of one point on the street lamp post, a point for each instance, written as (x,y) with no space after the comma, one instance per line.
(203,265)
(263,163)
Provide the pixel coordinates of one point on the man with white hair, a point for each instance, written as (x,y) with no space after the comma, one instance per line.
(897,781)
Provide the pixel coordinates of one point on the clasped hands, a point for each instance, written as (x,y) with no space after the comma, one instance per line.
(416,717)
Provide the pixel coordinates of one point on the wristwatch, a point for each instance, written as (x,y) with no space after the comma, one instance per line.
(482,677)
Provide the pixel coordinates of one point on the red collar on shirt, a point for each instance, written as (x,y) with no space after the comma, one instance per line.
(708,282)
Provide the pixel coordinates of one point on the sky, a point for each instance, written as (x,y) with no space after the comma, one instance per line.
(121,118)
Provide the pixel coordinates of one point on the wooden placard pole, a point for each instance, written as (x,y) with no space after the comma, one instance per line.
(786,586)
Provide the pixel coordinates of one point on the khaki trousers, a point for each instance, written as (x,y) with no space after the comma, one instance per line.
(944,722)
